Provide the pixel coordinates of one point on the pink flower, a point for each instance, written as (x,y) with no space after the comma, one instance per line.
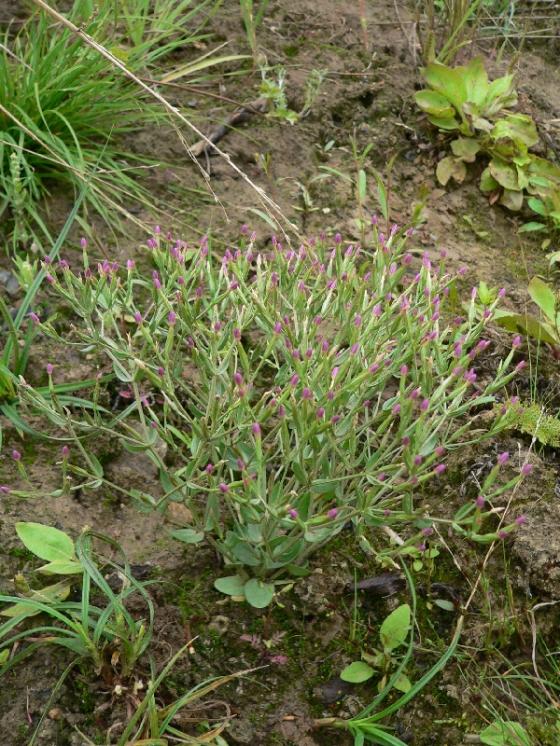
(503,458)
(396,409)
(516,341)
(332,513)
(521,520)
(16,455)
(223,488)
(526,469)
(65,451)
(480,502)
(256,429)
(138,317)
(293,513)
(440,468)
(49,369)
(306,394)
(209,468)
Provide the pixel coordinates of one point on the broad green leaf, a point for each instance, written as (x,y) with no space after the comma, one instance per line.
(476,81)
(51,594)
(232,585)
(537,206)
(513,200)
(445,123)
(504,173)
(517,127)
(46,542)
(487,182)
(447,81)
(62,568)
(403,683)
(258,593)
(395,628)
(357,672)
(531,226)
(362,186)
(188,535)
(435,104)
(444,604)
(500,94)
(543,296)
(505,733)
(450,168)
(466,148)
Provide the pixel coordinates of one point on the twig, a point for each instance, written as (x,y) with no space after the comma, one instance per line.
(239,116)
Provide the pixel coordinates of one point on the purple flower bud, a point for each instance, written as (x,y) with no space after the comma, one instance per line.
(516,341)
(502,293)
(34,318)
(440,468)
(425,405)
(520,366)
(49,279)
(138,317)
(237,333)
(332,513)
(4,489)
(382,477)
(130,264)
(209,468)
(470,376)
(480,502)
(405,441)
(439,451)
(320,413)
(521,520)
(503,458)
(526,469)
(223,488)
(357,320)
(334,372)
(330,395)
(355,347)
(256,429)
(83,242)
(428,531)
(65,451)
(306,394)
(415,393)
(293,513)
(237,378)
(171,318)
(217,326)
(309,353)
(16,455)
(396,409)
(377,310)
(277,327)
(417,460)
(281,411)
(502,535)
(373,368)
(335,418)
(294,380)
(404,370)
(49,369)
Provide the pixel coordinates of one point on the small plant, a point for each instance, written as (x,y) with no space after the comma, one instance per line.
(296,391)
(533,420)
(108,635)
(392,634)
(462,100)
(545,328)
(274,91)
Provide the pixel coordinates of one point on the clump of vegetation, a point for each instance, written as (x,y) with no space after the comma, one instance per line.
(297,391)
(462,100)
(533,420)
(64,109)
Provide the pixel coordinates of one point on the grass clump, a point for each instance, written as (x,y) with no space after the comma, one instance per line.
(65,110)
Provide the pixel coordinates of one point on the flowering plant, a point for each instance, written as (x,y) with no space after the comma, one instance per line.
(297,391)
